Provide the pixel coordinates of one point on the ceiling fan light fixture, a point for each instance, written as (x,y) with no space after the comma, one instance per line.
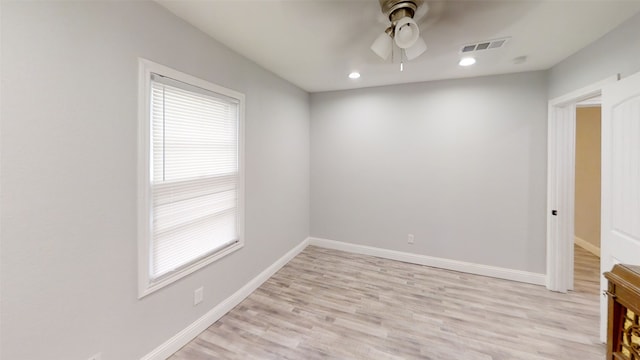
(382,46)
(406,32)
(416,49)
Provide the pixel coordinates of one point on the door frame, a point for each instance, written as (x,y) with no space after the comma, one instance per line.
(561,150)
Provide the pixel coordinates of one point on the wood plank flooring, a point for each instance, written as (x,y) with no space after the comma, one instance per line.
(327,304)
(586,271)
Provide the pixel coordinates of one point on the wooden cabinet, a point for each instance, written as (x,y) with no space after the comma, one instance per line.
(623,330)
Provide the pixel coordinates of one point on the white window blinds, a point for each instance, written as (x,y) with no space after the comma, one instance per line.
(194,174)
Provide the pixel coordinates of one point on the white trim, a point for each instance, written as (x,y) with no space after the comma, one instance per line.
(591,102)
(560,196)
(584,93)
(561,183)
(145,69)
(182,338)
(1,193)
(144,192)
(471,268)
(587,246)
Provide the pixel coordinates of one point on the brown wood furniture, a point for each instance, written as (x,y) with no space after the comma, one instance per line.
(623,338)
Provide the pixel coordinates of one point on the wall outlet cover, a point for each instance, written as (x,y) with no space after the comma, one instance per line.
(198,295)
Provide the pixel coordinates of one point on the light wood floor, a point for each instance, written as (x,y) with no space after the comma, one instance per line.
(586,271)
(327,304)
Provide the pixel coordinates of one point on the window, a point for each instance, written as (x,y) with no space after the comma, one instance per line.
(191,183)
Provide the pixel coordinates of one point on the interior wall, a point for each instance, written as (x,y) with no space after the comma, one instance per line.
(69,167)
(587,197)
(461,164)
(618,52)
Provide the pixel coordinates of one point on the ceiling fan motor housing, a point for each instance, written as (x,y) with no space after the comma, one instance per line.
(397,9)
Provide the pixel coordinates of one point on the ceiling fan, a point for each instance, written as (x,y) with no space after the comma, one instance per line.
(403,30)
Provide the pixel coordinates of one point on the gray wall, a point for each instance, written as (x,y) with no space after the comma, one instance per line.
(68,210)
(460,164)
(618,52)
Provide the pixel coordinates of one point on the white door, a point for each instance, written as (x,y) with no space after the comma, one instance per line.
(620,240)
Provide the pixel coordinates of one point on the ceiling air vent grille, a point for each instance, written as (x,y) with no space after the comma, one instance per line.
(484,45)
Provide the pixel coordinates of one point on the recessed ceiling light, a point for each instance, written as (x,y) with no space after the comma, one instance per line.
(467,61)
(354,75)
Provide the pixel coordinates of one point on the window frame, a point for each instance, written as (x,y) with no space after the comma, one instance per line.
(147,285)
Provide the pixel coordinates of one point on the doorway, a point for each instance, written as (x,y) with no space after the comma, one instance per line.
(587,206)
(561,185)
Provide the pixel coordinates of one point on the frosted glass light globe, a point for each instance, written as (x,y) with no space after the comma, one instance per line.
(406,32)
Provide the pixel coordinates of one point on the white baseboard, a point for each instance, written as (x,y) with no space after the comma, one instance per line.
(471,268)
(179,340)
(587,246)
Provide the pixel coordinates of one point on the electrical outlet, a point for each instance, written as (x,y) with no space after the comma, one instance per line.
(410,239)
(198,296)
(97,356)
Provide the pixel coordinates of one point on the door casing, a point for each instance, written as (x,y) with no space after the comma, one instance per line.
(561,184)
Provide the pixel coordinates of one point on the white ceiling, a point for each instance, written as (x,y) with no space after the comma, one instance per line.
(315,44)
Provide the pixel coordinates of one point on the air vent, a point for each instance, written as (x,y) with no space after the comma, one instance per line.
(484,45)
